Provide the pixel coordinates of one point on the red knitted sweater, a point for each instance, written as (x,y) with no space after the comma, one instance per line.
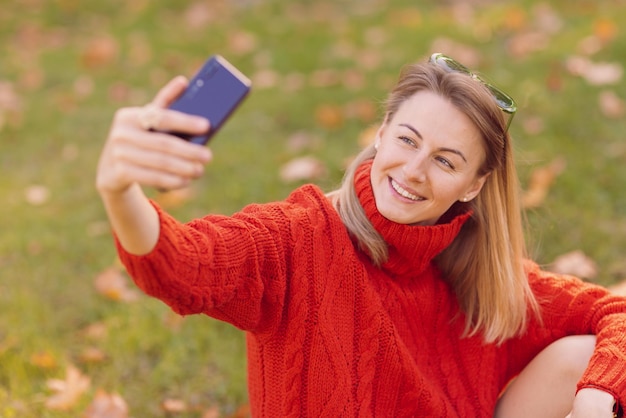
(331,335)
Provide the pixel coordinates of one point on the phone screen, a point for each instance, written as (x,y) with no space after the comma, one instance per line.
(214,93)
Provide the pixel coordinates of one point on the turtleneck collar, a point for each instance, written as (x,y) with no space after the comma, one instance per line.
(411,247)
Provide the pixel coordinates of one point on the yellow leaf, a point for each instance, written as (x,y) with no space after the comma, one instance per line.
(68,391)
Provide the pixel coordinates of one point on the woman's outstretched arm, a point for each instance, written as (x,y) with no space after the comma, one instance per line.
(139,153)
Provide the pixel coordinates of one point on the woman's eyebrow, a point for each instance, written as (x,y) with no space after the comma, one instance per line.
(416,132)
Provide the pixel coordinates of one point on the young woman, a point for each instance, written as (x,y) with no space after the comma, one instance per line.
(405,293)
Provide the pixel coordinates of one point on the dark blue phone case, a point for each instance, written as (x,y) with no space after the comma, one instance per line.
(214,93)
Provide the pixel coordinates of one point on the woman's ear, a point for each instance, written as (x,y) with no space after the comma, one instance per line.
(475,188)
(381,131)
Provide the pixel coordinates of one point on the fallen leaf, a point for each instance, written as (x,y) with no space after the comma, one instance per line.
(611,105)
(175,198)
(92,355)
(515,19)
(106,405)
(265,78)
(113,284)
(575,263)
(300,141)
(303,168)
(368,135)
(546,18)
(242,412)
(533,125)
(68,391)
(595,74)
(541,180)
(324,78)
(212,412)
(523,44)
(605,29)
(100,51)
(44,360)
(364,110)
(329,116)
(242,42)
(37,194)
(198,15)
(97,331)
(175,406)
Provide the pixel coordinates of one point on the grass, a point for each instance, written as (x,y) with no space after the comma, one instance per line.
(71,65)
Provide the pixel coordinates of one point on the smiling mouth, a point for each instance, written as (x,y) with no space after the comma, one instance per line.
(404,193)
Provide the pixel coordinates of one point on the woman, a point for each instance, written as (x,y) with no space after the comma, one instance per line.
(405,293)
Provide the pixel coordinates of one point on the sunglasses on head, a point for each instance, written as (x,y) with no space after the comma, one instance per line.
(503,100)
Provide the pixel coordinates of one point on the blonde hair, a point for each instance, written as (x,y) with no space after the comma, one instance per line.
(484,264)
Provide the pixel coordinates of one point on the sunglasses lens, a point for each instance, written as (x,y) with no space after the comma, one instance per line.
(449,63)
(505,102)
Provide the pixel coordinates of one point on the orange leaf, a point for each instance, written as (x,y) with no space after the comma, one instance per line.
(605,29)
(113,284)
(100,51)
(107,405)
(44,360)
(175,198)
(540,182)
(329,116)
(68,391)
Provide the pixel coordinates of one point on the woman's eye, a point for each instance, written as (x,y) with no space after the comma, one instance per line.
(445,162)
(407,140)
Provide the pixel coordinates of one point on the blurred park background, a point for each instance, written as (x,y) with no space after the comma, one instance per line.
(77,339)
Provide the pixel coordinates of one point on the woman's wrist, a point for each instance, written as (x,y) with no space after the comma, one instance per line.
(595,402)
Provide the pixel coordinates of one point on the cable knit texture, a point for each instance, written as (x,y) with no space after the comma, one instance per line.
(331,335)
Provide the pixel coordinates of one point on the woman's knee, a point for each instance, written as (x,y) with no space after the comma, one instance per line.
(569,356)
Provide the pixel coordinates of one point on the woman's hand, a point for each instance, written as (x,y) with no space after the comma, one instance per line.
(138,153)
(137,150)
(592,403)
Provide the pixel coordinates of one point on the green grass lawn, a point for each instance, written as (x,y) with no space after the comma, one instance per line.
(321,70)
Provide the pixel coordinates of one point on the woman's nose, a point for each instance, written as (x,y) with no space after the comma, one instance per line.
(416,167)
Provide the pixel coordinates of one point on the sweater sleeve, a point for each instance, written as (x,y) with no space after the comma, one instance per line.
(231,268)
(571,306)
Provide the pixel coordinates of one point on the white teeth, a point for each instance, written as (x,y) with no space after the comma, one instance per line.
(403,192)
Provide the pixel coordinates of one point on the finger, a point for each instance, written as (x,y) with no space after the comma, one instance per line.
(170,91)
(152,178)
(160,162)
(175,121)
(168,144)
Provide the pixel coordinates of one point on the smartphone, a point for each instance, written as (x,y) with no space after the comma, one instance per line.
(213,93)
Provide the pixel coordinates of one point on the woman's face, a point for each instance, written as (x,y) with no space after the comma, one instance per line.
(428,158)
